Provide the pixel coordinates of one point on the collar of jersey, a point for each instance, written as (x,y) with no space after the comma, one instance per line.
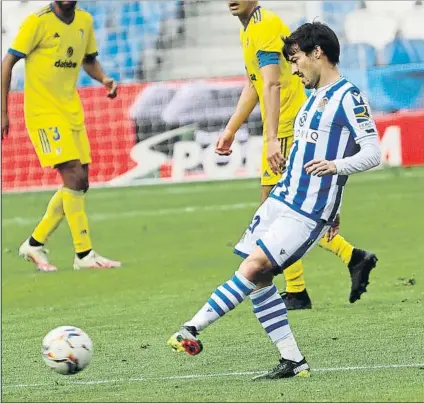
(60,18)
(326,87)
(250,16)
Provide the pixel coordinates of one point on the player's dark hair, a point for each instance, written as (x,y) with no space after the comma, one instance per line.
(310,35)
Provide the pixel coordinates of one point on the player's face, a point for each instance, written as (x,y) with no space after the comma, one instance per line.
(67,6)
(305,66)
(241,8)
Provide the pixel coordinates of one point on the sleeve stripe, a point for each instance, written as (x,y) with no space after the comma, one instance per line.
(92,55)
(364,137)
(267,58)
(16,53)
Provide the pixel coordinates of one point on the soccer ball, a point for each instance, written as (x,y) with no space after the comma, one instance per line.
(67,350)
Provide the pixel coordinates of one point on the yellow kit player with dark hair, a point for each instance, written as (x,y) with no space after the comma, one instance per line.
(280,96)
(56,42)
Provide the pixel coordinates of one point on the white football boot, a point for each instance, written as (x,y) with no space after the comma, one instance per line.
(94,261)
(36,255)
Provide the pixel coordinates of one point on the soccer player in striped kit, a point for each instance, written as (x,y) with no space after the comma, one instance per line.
(334,137)
(280,96)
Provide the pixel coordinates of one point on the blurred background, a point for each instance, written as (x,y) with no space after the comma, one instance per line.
(181,68)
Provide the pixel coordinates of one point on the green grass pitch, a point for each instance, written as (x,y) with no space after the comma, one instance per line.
(176,245)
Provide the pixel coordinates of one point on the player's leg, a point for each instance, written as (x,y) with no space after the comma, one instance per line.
(288,239)
(227,296)
(74,174)
(75,185)
(33,248)
(359,262)
(254,279)
(295,295)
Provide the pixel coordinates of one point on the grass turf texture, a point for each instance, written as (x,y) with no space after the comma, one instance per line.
(176,245)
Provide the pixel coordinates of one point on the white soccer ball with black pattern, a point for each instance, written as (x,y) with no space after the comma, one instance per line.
(67,350)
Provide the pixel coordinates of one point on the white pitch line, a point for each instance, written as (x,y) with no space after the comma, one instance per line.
(193,209)
(143,213)
(205,376)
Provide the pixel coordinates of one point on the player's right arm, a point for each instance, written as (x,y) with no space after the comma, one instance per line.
(7,64)
(245,105)
(27,39)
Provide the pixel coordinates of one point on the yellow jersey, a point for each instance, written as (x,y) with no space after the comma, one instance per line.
(54,51)
(262,41)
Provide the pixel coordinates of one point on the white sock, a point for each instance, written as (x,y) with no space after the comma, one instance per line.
(288,349)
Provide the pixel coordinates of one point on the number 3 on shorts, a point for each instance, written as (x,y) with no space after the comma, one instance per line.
(56,135)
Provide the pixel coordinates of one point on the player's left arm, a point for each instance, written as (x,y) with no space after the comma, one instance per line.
(268,46)
(93,67)
(362,128)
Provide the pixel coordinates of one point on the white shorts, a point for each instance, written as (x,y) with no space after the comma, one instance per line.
(282,233)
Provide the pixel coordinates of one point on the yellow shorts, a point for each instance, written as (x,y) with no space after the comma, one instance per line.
(268,177)
(56,145)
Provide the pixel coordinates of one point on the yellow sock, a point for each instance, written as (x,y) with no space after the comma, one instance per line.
(295,281)
(74,208)
(52,218)
(339,246)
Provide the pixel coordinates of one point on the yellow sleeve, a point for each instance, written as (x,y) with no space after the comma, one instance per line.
(268,36)
(91,49)
(29,36)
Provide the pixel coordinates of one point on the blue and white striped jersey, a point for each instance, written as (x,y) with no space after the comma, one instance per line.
(328,125)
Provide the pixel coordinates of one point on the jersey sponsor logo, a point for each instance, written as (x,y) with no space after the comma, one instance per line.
(70,51)
(65,64)
(303,119)
(310,136)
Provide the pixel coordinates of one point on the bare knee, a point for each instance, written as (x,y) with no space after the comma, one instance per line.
(74,175)
(257,269)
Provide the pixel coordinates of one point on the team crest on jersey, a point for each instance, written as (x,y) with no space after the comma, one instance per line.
(322,104)
(70,51)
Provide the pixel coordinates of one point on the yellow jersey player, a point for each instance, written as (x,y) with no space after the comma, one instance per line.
(56,42)
(280,96)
